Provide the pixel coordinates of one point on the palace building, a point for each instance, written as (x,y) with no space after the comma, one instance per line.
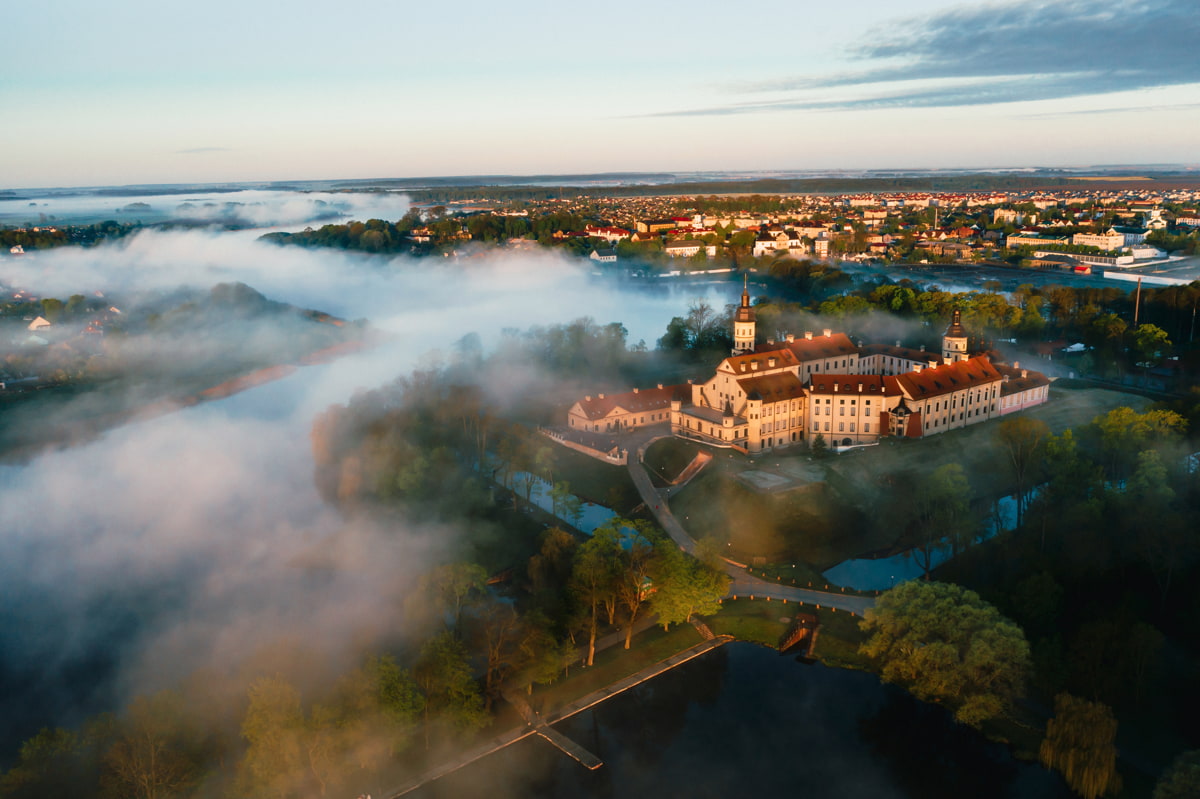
(765,397)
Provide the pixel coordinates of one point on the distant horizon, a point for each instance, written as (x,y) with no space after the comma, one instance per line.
(666,177)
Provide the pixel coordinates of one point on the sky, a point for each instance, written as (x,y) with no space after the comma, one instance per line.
(133,91)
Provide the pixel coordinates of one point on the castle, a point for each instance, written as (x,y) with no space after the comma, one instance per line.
(781,394)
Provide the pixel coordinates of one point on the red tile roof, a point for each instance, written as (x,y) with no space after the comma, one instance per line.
(773,388)
(782,358)
(647,399)
(822,347)
(948,378)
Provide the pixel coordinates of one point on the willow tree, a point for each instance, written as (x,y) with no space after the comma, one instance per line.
(1081,743)
(945,644)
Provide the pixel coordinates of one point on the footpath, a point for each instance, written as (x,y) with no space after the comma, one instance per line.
(744,584)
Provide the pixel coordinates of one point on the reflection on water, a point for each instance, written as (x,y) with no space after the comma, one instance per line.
(744,721)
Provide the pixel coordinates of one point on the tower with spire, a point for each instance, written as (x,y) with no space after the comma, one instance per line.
(954,342)
(743,322)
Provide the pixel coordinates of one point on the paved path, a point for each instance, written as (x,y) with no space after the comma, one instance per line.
(743,584)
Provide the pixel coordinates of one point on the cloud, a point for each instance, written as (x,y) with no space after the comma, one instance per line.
(1003,53)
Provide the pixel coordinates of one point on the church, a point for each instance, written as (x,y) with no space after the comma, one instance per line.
(765,397)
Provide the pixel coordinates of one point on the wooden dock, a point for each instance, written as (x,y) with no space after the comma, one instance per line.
(570,748)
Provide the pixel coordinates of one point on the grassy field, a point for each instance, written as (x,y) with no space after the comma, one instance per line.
(593,480)
(667,457)
(808,524)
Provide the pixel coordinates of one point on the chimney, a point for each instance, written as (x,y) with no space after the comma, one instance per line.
(1016,364)
(601,396)
(588,398)
(897,342)
(917,368)
(660,385)
(922,348)
(808,335)
(828,332)
(790,338)
(771,342)
(635,391)
(1024,373)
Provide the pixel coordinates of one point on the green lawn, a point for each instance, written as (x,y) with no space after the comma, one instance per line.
(593,480)
(615,663)
(667,457)
(809,524)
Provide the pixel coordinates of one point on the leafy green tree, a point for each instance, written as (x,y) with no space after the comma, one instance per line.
(684,586)
(452,697)
(1124,433)
(1081,743)
(1022,438)
(446,590)
(55,762)
(1181,780)
(942,513)
(52,309)
(593,582)
(274,763)
(945,644)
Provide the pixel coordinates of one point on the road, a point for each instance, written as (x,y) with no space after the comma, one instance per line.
(743,584)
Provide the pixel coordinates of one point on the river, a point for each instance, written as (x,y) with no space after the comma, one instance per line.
(745,721)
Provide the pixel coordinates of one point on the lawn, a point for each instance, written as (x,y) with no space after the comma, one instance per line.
(764,623)
(593,480)
(615,663)
(809,523)
(667,457)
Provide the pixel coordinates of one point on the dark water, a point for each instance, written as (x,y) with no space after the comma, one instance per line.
(743,721)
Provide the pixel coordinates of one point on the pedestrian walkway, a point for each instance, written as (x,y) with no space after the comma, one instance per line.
(743,585)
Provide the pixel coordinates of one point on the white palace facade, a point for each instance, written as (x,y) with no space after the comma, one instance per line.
(782,394)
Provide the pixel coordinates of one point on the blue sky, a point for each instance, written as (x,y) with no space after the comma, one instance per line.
(148,92)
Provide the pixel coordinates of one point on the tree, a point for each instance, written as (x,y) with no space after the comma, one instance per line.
(452,697)
(819,448)
(636,561)
(154,754)
(684,586)
(945,644)
(1150,345)
(273,728)
(1022,438)
(1124,433)
(593,581)
(1181,780)
(1081,743)
(52,309)
(447,588)
(941,513)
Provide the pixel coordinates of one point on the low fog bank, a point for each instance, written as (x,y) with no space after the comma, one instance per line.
(256,208)
(196,540)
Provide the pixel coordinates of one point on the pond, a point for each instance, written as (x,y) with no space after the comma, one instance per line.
(745,721)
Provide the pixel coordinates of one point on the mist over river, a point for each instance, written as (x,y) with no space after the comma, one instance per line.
(181,543)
